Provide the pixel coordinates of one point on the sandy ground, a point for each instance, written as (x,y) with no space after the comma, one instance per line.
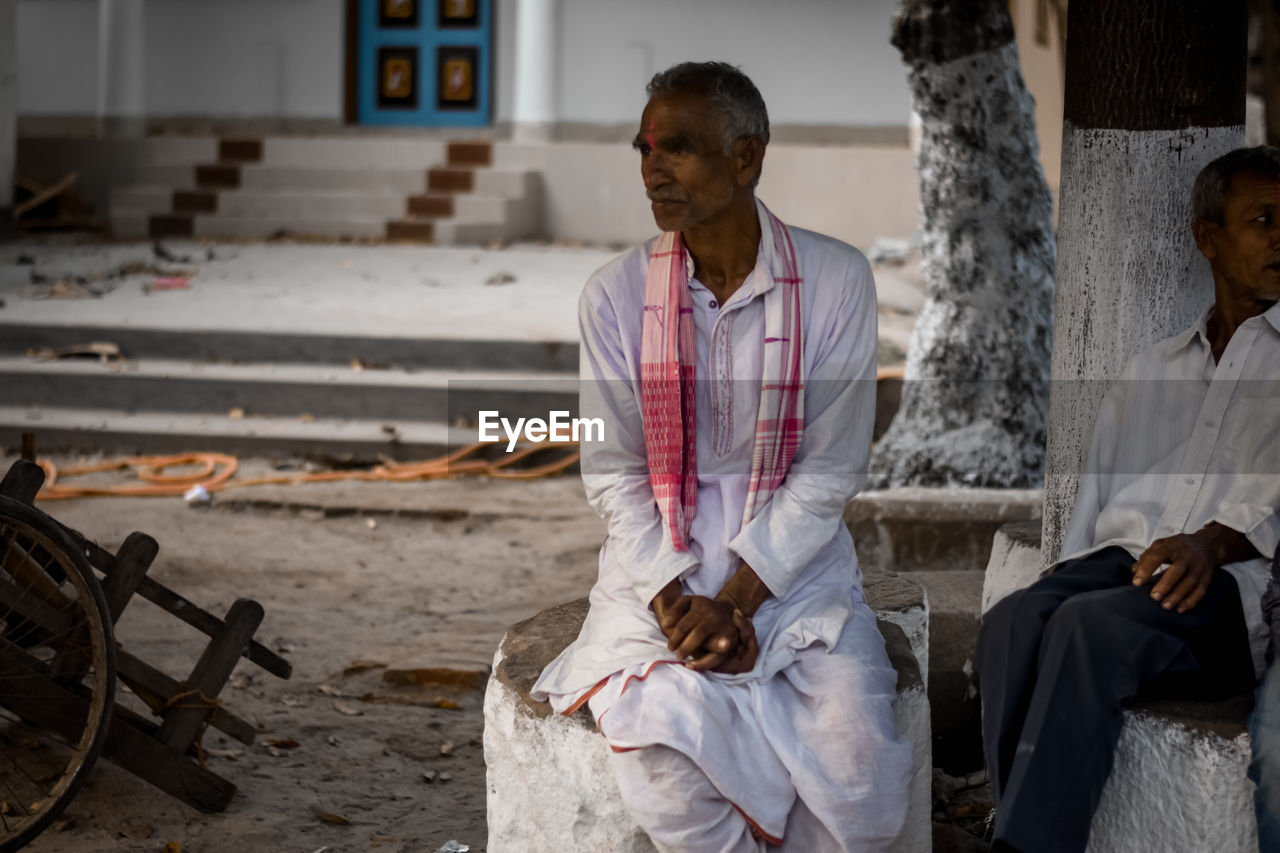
(348,597)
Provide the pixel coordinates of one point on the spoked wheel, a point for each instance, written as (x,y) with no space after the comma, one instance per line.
(57,672)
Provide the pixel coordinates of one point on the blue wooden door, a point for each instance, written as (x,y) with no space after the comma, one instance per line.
(425,62)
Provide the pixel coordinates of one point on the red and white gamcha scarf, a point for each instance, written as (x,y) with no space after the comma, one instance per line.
(667,373)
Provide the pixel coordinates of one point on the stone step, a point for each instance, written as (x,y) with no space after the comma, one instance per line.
(266,228)
(473,153)
(195,201)
(345,178)
(106,431)
(451,179)
(213,345)
(281,390)
(239,150)
(217,176)
(165,177)
(145,201)
(299,204)
(360,153)
(507,184)
(411,230)
(170,225)
(431,205)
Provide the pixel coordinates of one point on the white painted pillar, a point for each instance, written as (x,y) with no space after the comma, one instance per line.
(537,41)
(121,76)
(1134,138)
(8,109)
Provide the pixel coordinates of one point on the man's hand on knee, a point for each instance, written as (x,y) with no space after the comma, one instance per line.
(1186,580)
(1192,559)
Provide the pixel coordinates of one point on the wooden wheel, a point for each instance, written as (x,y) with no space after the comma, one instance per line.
(57,671)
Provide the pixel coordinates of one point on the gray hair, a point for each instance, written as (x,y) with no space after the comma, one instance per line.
(1209,193)
(733,98)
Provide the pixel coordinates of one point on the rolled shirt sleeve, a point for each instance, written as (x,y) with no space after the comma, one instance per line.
(615,470)
(830,465)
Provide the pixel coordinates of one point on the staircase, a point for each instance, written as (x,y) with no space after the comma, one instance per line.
(340,188)
(268,394)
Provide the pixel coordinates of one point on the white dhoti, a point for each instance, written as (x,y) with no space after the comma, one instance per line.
(808,760)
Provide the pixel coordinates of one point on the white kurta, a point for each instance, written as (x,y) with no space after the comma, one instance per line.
(1181,442)
(814,717)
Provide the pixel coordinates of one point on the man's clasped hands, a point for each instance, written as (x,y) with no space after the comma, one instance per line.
(713,634)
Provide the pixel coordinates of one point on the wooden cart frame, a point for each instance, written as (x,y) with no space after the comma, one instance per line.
(164,751)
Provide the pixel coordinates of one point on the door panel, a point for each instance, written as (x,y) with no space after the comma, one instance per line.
(425,62)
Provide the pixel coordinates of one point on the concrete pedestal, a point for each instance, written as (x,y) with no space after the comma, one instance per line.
(550,786)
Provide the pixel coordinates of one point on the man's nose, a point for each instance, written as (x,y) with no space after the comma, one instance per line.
(653,169)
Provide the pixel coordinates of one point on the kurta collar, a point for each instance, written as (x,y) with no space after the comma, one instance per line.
(767,258)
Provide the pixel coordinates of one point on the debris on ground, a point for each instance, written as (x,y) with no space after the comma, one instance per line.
(500,278)
(173,282)
(453,846)
(961,805)
(197,495)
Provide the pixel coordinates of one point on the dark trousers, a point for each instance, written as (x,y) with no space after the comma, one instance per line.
(1056,660)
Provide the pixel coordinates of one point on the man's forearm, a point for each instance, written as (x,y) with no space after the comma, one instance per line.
(1226,545)
(744,590)
(665,598)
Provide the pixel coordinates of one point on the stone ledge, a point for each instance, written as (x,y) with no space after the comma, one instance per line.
(934,529)
(550,786)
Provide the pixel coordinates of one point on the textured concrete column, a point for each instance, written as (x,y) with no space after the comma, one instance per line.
(976,394)
(8,110)
(121,40)
(1154,91)
(536,51)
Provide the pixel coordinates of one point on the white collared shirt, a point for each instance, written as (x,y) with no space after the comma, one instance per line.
(1181,442)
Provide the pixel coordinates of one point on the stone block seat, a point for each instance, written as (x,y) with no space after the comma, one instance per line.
(550,785)
(1178,784)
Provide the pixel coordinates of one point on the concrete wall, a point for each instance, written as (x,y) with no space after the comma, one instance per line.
(252,57)
(57,55)
(817,62)
(271,58)
(593,192)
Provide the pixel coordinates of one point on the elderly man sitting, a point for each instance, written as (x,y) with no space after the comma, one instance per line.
(1167,549)
(729,658)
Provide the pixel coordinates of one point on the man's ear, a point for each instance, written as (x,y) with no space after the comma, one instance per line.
(748,156)
(1205,232)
